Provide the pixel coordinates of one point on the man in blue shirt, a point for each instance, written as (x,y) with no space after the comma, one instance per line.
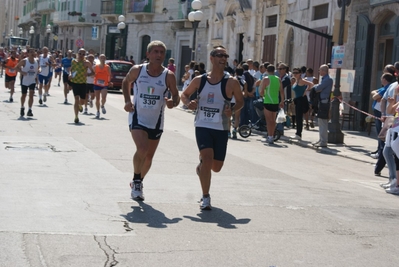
(66,64)
(324,88)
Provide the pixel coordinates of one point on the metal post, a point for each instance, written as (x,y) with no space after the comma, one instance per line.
(335,134)
(195,26)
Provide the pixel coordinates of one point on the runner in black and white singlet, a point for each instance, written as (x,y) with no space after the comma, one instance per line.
(28,67)
(152,83)
(215,90)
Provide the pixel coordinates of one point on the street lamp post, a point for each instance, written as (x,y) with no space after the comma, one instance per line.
(31,32)
(20,32)
(335,134)
(121,27)
(48,31)
(195,17)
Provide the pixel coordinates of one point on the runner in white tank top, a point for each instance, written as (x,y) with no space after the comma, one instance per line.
(152,82)
(28,68)
(215,91)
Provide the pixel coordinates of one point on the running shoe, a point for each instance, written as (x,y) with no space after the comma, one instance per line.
(85,111)
(22,113)
(205,203)
(11,100)
(40,101)
(137,190)
(58,84)
(45,97)
(76,120)
(103,110)
(80,108)
(98,115)
(29,114)
(91,103)
(66,101)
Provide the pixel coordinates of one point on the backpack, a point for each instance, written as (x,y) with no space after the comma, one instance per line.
(314,98)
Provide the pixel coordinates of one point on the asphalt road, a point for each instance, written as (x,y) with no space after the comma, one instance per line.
(65,198)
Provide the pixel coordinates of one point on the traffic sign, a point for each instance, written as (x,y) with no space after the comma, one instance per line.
(79,43)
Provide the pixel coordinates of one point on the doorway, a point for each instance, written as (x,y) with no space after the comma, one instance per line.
(385,46)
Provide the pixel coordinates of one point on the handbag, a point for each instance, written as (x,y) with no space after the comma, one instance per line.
(387,124)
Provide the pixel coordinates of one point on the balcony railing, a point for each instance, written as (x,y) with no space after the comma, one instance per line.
(144,6)
(46,6)
(112,7)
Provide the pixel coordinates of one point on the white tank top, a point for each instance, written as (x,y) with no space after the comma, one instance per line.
(45,70)
(149,99)
(31,70)
(90,79)
(212,101)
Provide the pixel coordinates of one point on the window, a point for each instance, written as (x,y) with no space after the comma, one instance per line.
(271,21)
(320,12)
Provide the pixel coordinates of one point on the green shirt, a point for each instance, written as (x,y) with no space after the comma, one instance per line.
(78,71)
(272,91)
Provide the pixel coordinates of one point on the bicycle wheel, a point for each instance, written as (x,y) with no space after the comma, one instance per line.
(277,135)
(244,131)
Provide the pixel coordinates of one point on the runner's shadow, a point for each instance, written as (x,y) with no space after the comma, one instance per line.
(26,119)
(145,213)
(67,104)
(220,217)
(76,124)
(100,119)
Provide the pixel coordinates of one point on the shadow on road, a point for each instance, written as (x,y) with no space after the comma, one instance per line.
(145,213)
(219,217)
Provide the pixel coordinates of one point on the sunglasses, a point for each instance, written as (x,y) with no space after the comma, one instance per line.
(221,55)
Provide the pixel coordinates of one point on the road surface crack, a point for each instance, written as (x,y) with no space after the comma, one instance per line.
(108,251)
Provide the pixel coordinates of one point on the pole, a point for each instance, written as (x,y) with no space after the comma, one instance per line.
(195,26)
(335,134)
(31,43)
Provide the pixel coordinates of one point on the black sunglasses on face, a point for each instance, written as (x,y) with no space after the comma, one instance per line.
(221,55)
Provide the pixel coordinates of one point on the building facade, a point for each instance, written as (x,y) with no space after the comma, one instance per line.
(297,32)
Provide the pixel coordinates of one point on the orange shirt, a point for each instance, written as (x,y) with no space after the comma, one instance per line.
(10,66)
(102,75)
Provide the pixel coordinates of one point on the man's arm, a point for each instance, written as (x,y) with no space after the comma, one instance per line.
(19,67)
(191,89)
(282,95)
(126,86)
(325,83)
(171,84)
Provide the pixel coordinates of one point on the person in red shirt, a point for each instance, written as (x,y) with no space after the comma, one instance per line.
(11,72)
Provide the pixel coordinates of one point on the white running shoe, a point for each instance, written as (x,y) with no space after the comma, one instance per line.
(91,103)
(137,190)
(297,137)
(98,115)
(394,189)
(389,184)
(85,111)
(205,203)
(103,110)
(44,97)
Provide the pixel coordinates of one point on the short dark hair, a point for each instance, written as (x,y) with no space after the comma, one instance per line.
(245,66)
(256,64)
(303,69)
(388,77)
(271,68)
(266,64)
(215,49)
(310,70)
(239,71)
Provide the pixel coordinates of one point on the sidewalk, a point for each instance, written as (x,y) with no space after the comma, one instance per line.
(357,145)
